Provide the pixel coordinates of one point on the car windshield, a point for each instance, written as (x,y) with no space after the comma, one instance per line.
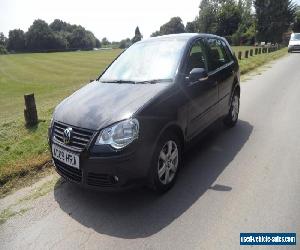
(146,62)
(295,37)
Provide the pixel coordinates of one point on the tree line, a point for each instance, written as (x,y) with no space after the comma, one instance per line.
(57,36)
(240,21)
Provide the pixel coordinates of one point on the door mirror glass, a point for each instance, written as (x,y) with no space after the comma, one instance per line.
(198,75)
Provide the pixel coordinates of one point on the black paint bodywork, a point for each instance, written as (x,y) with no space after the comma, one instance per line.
(186,109)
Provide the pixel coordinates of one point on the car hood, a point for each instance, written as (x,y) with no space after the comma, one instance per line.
(296,42)
(98,105)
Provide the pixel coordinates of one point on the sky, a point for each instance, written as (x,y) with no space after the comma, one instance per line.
(114,19)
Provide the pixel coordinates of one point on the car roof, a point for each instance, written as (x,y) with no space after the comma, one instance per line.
(181,36)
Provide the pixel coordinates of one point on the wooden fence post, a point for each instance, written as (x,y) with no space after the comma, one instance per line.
(30,112)
(251,52)
(256,51)
(259,51)
(246,53)
(240,55)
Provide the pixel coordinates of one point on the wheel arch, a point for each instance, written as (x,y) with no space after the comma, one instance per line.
(235,88)
(174,129)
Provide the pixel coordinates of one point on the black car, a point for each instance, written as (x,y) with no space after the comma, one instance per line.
(131,125)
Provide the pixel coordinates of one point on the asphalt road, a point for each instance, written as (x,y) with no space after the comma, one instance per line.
(246,179)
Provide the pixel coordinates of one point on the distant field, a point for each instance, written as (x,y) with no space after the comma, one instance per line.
(52,77)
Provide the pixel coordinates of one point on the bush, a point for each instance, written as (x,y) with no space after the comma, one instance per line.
(2,50)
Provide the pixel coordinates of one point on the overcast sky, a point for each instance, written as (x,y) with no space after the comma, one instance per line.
(114,19)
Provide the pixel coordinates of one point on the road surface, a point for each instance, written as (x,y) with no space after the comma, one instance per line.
(246,179)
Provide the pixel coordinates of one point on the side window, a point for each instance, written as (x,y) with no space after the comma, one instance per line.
(217,54)
(197,57)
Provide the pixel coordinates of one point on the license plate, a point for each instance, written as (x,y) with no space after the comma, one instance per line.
(65,156)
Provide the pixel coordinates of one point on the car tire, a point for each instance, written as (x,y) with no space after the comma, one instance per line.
(233,114)
(166,162)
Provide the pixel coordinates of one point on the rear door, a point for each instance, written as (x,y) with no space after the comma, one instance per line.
(221,70)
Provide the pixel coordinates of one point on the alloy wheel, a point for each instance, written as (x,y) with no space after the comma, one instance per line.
(235,105)
(167,162)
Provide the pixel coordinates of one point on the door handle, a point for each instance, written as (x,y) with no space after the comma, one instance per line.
(203,79)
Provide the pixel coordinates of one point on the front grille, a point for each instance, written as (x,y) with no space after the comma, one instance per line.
(68,172)
(79,139)
(100,180)
(297,47)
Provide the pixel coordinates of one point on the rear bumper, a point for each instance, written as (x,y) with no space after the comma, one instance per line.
(109,173)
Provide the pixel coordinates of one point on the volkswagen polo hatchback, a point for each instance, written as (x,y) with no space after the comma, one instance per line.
(131,125)
(294,43)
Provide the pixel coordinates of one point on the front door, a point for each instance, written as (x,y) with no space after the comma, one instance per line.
(202,96)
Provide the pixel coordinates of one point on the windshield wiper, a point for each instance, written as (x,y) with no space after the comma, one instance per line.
(153,81)
(119,81)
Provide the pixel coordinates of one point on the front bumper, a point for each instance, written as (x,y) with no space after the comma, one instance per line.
(107,173)
(294,47)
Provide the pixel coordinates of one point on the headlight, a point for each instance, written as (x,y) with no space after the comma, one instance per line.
(119,135)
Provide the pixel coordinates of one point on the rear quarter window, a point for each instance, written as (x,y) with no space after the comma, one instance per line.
(229,51)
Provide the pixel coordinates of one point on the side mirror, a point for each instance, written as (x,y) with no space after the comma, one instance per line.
(197,75)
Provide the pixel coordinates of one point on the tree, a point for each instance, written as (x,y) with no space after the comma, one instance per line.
(2,50)
(82,39)
(59,25)
(98,43)
(39,36)
(16,40)
(174,26)
(155,33)
(125,43)
(274,17)
(105,41)
(246,31)
(191,27)
(228,18)
(138,36)
(296,24)
(3,40)
(59,41)
(76,36)
(207,19)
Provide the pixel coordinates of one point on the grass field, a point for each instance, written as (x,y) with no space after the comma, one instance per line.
(52,77)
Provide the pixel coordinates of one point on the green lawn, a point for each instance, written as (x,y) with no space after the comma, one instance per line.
(52,77)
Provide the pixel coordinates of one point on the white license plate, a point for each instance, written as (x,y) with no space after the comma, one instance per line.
(65,156)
